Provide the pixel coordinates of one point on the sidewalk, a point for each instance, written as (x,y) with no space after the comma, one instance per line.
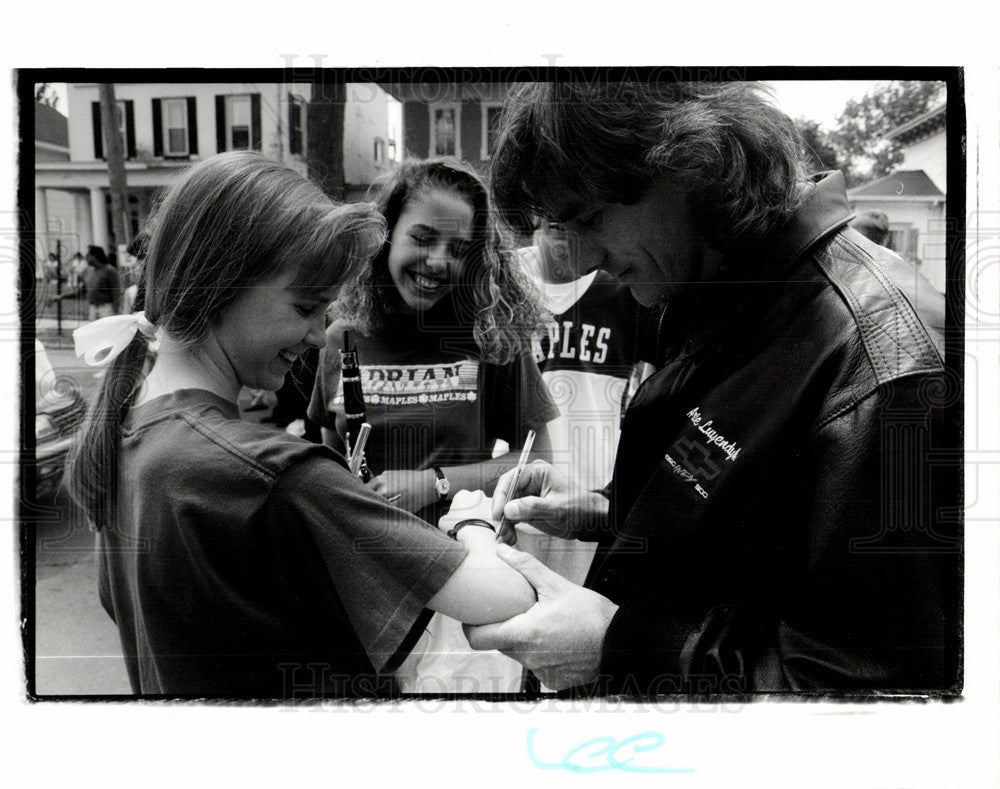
(77,649)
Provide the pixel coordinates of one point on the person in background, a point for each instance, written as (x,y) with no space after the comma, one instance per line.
(873,225)
(103,284)
(50,268)
(239,561)
(781,518)
(441,320)
(586,354)
(77,268)
(131,271)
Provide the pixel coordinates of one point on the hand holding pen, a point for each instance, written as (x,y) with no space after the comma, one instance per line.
(505,527)
(543,496)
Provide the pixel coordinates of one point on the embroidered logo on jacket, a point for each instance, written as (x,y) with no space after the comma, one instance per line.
(685,475)
(713,436)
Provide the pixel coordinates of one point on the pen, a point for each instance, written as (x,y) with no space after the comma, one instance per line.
(506,528)
(358,456)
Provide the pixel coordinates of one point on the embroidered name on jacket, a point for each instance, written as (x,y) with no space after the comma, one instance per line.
(713,436)
(416,384)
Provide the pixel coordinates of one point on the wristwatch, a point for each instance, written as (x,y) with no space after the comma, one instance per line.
(441,484)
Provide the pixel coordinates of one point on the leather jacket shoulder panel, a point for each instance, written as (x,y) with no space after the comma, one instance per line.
(895,339)
(898,318)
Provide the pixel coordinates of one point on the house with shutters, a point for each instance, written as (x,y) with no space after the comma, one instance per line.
(450,118)
(913,195)
(167,126)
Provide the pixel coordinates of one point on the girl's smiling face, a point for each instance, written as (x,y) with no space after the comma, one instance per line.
(264,331)
(428,247)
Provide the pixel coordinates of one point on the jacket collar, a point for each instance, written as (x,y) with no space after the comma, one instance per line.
(689,323)
(824,209)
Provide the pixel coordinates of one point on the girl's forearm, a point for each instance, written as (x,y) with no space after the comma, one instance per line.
(479,476)
(484,588)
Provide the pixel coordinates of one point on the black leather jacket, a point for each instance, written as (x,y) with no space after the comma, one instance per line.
(785,506)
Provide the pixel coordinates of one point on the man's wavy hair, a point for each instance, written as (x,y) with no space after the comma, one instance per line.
(495,300)
(736,156)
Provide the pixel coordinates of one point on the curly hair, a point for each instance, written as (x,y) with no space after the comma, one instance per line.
(495,300)
(737,157)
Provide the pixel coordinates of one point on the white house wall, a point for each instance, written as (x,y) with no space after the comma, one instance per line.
(71,194)
(929,155)
(927,218)
(273,114)
(368,115)
(61,214)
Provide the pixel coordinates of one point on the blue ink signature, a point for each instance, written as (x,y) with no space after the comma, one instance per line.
(608,747)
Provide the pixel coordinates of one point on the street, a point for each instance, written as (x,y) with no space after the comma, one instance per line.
(77,651)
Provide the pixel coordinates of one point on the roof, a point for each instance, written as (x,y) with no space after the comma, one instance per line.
(902,183)
(924,125)
(51,126)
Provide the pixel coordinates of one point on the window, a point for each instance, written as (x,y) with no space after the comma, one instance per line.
(125,121)
(237,122)
(446,131)
(490,116)
(175,127)
(379,151)
(903,241)
(296,125)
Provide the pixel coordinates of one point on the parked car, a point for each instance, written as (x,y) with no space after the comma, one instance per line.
(59,413)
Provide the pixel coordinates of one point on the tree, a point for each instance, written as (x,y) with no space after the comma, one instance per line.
(115,155)
(45,95)
(820,152)
(861,128)
(325,136)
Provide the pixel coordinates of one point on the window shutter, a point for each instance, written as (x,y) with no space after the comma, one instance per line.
(220,123)
(192,125)
(255,121)
(294,126)
(157,128)
(129,129)
(95,108)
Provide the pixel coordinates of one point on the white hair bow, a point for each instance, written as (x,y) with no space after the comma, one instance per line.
(101,341)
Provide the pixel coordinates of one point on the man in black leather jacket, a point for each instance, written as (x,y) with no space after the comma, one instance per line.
(783,515)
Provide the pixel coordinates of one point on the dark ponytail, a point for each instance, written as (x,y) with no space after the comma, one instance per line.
(92,471)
